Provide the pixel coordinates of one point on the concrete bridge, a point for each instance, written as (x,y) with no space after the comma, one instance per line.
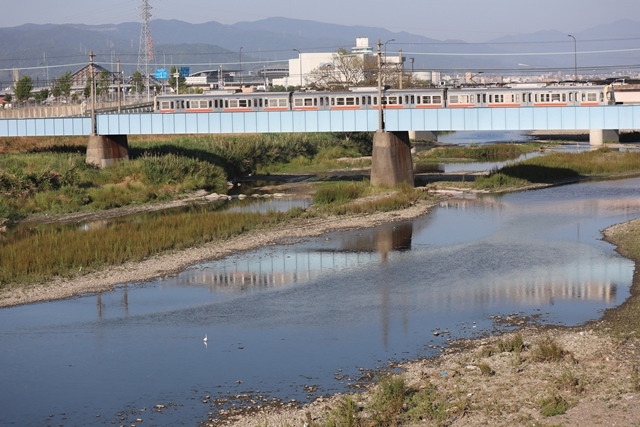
(109,141)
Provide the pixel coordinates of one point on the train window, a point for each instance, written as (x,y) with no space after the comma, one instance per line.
(350,101)
(601,97)
(260,102)
(555,97)
(369,100)
(592,97)
(375,100)
(333,101)
(413,99)
(321,101)
(490,98)
(453,99)
(564,97)
(339,101)
(210,103)
(165,105)
(436,99)
(584,96)
(315,102)
(500,98)
(570,96)
(233,103)
(484,98)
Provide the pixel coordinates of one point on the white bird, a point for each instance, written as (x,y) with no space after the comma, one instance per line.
(205,338)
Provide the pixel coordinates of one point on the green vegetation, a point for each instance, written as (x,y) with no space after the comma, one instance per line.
(64,251)
(339,198)
(55,183)
(553,405)
(476,153)
(561,167)
(548,350)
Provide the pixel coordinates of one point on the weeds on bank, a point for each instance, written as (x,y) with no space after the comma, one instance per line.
(553,405)
(481,153)
(340,198)
(63,250)
(559,167)
(547,350)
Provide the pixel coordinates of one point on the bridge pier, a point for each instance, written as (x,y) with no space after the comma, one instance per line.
(423,135)
(391,162)
(598,137)
(105,150)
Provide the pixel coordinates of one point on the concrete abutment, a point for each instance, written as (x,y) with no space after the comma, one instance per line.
(105,150)
(391,162)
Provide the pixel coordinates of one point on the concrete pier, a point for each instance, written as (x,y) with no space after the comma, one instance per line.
(391,162)
(106,150)
(600,136)
(423,135)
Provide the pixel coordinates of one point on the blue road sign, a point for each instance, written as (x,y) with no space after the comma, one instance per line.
(162,74)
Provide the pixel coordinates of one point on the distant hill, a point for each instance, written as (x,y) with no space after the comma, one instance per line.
(64,48)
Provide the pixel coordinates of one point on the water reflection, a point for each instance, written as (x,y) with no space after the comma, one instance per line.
(283,268)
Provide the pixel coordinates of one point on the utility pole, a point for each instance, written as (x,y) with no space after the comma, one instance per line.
(93,94)
(380,118)
(401,69)
(118,78)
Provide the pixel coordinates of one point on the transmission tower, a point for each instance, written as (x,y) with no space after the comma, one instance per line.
(145,52)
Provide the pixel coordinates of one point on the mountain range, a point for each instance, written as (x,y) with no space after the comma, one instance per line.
(47,51)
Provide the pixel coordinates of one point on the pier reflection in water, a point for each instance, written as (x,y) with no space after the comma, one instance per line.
(282,317)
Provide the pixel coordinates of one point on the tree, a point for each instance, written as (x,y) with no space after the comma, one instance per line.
(137,82)
(23,88)
(7,98)
(182,82)
(64,83)
(104,82)
(346,70)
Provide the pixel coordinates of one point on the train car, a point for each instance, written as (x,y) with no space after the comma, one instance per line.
(366,98)
(223,102)
(547,96)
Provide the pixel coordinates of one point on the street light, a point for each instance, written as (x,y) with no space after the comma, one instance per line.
(575,59)
(385,51)
(299,63)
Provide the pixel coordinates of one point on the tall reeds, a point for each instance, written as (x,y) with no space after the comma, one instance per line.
(47,252)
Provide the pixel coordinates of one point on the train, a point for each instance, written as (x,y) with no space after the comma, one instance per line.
(360,98)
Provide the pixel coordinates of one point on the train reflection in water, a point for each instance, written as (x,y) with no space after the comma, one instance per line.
(285,266)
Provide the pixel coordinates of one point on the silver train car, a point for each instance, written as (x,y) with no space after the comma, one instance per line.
(367,98)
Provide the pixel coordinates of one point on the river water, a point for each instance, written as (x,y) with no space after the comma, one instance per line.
(309,318)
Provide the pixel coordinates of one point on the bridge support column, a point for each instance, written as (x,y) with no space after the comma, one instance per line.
(598,137)
(105,150)
(423,135)
(391,159)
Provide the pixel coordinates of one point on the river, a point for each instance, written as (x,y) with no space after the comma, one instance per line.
(312,317)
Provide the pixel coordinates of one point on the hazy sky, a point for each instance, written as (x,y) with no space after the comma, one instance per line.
(470,20)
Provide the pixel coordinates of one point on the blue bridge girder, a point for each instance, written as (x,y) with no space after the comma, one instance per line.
(445,119)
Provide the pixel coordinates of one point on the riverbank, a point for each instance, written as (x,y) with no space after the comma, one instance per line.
(173,262)
(537,376)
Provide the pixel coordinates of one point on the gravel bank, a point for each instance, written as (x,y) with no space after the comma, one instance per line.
(174,262)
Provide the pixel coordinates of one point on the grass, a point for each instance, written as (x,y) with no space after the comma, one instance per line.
(553,405)
(561,167)
(476,153)
(65,251)
(547,350)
